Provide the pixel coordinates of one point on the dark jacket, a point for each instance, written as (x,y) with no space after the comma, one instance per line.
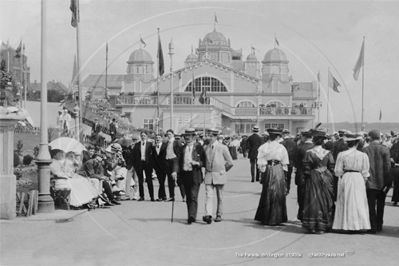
(177,150)
(112,129)
(328,145)
(158,161)
(243,144)
(253,143)
(379,159)
(92,168)
(291,148)
(198,155)
(96,128)
(127,154)
(136,154)
(338,146)
(302,149)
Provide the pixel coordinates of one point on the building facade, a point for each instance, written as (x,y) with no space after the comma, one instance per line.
(239,93)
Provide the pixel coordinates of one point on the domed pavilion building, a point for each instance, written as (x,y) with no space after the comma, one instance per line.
(239,94)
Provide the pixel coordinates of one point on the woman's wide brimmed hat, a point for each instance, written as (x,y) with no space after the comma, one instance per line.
(349,136)
(319,133)
(274,131)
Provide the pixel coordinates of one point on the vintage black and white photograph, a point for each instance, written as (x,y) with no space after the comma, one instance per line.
(199,132)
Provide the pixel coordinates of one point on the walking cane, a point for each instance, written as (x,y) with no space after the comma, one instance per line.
(173,207)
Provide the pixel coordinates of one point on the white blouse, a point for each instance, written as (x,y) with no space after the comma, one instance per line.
(352,159)
(272,150)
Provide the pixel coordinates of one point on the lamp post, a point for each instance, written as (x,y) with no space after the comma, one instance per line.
(77,131)
(46,203)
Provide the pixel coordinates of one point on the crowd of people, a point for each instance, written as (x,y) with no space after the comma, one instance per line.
(342,180)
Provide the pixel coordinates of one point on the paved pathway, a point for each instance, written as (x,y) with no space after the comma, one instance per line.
(141,233)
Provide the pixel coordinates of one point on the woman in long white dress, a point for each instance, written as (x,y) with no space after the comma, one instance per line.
(352,168)
(80,195)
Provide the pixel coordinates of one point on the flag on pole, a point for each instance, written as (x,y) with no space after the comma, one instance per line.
(318,76)
(332,82)
(209,40)
(75,13)
(193,84)
(216,18)
(106,48)
(161,66)
(202,98)
(18,50)
(278,44)
(141,40)
(359,63)
(380,114)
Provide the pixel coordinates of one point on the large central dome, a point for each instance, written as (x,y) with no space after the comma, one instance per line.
(215,36)
(275,56)
(140,56)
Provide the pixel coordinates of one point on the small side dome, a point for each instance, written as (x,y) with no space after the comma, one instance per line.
(275,56)
(140,56)
(191,58)
(252,58)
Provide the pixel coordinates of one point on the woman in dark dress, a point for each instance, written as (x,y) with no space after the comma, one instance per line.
(318,211)
(272,162)
(395,171)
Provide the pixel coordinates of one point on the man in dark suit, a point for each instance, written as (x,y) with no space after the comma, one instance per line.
(378,180)
(329,144)
(142,164)
(243,146)
(291,148)
(173,151)
(191,162)
(112,129)
(305,145)
(338,146)
(159,164)
(95,131)
(253,143)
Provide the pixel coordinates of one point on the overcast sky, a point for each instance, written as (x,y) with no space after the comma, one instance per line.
(315,35)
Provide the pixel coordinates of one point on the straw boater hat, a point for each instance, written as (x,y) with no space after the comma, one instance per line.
(352,136)
(265,133)
(286,131)
(255,129)
(214,131)
(189,131)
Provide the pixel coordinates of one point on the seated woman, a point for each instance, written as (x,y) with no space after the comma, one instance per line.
(80,195)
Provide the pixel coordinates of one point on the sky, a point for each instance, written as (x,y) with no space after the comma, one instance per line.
(315,36)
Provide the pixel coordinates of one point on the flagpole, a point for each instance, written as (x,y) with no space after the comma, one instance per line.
(106,67)
(318,97)
(204,112)
(364,40)
(8,55)
(192,102)
(157,83)
(171,83)
(80,105)
(22,75)
(25,77)
(328,94)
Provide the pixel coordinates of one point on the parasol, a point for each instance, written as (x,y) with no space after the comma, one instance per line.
(67,144)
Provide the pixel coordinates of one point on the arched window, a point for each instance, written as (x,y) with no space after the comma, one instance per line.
(208,83)
(246,104)
(275,103)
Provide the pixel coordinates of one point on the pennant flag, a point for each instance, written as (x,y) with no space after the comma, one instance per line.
(202,98)
(359,63)
(75,13)
(141,40)
(278,44)
(18,50)
(161,66)
(193,85)
(332,82)
(209,40)
(318,76)
(380,114)
(216,18)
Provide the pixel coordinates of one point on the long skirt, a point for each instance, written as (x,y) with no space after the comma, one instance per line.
(352,211)
(233,152)
(82,191)
(272,209)
(318,205)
